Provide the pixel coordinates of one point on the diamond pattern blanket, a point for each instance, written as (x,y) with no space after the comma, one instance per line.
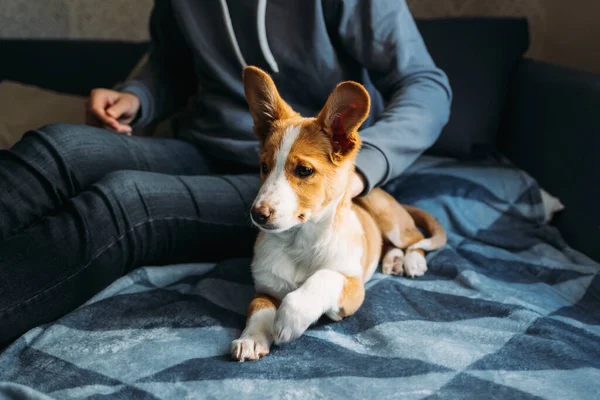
(506,310)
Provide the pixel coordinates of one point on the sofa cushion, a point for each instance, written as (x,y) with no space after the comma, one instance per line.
(479,55)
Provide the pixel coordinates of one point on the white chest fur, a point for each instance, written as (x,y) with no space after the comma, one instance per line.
(283,261)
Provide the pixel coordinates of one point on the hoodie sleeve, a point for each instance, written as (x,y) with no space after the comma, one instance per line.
(382,36)
(167,79)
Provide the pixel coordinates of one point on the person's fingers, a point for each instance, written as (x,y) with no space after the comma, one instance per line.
(121,128)
(97,103)
(107,122)
(92,120)
(100,114)
(111,110)
(122,107)
(126,129)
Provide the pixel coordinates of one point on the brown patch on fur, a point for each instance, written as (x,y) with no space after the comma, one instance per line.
(260,302)
(427,221)
(391,217)
(411,236)
(371,239)
(388,214)
(312,150)
(267,152)
(420,251)
(266,105)
(352,297)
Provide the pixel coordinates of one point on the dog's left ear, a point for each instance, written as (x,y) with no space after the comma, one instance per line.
(345,111)
(266,105)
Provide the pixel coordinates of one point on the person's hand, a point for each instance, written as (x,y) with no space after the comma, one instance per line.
(112,110)
(357,184)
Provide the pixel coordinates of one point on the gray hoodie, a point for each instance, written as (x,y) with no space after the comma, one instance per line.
(199,48)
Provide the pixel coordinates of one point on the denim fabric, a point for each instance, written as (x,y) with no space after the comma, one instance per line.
(81,206)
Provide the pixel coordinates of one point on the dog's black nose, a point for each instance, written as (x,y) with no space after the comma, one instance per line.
(261,215)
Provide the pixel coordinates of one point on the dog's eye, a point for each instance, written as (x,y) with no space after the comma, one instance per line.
(303,171)
(263,168)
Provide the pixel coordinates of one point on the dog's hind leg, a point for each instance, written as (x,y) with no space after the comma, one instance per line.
(399,258)
(396,262)
(255,341)
(399,232)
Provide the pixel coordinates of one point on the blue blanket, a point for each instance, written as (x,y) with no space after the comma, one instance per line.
(506,310)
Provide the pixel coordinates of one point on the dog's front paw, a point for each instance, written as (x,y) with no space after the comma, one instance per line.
(415,264)
(249,349)
(291,320)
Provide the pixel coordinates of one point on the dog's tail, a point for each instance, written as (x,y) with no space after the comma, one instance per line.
(437,235)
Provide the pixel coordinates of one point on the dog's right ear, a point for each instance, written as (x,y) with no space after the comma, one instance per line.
(344,112)
(266,106)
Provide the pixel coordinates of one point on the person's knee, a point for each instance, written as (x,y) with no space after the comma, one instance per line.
(57,129)
(50,142)
(69,142)
(56,138)
(60,134)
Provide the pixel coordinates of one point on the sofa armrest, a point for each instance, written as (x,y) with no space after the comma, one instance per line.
(551,129)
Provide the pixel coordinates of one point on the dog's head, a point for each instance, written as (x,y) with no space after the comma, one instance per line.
(306,163)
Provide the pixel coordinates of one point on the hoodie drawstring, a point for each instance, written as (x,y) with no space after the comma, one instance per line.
(262,35)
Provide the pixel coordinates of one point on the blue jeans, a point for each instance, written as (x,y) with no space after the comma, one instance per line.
(81,206)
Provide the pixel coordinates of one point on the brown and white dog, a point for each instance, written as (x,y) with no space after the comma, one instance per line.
(317,247)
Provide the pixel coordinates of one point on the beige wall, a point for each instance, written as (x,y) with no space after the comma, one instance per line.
(573,33)
(566,32)
(93,19)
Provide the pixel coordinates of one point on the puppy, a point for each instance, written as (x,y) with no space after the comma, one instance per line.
(317,247)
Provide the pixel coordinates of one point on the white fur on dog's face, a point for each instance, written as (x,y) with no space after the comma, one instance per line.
(276,192)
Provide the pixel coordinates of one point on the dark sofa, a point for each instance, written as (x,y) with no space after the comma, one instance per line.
(543,117)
